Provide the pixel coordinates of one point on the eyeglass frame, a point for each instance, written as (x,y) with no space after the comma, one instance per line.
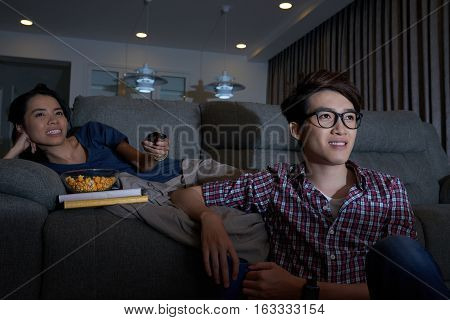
(337,115)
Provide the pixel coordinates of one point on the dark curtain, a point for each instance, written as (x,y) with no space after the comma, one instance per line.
(395,51)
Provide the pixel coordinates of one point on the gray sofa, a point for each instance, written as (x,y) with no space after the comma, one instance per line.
(49,253)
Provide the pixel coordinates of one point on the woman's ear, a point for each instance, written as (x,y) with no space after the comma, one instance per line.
(296,130)
(20,128)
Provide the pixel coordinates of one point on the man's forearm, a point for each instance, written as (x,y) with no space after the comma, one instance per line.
(191,201)
(335,291)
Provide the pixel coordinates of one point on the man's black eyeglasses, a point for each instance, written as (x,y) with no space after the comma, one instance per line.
(328,119)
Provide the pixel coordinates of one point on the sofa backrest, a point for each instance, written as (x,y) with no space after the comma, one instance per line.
(397,142)
(253,135)
(138,117)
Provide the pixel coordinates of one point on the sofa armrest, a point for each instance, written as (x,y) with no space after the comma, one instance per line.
(30,180)
(435,221)
(444,192)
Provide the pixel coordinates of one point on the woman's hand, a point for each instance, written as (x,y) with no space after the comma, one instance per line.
(158,150)
(267,280)
(22,144)
(216,246)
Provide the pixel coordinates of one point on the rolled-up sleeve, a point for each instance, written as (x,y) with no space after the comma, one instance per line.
(401,219)
(249,192)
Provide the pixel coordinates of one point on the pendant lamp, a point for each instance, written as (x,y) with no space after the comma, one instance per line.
(224,87)
(144,80)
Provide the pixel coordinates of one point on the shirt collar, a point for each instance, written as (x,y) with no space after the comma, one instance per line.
(298,172)
(359,173)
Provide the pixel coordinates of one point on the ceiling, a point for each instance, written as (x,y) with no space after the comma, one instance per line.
(183,24)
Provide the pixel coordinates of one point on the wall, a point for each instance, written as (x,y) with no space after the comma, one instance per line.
(396,52)
(86,53)
(13,82)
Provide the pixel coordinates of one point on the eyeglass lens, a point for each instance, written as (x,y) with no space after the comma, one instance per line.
(328,119)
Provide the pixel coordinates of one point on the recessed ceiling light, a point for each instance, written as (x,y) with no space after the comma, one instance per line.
(285,5)
(26,22)
(141,35)
(241,46)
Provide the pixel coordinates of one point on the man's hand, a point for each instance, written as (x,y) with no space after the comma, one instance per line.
(22,144)
(216,246)
(267,280)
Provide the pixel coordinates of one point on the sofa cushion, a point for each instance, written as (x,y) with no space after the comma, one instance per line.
(138,117)
(438,159)
(30,180)
(434,219)
(241,125)
(252,158)
(245,125)
(444,194)
(390,131)
(412,168)
(21,223)
(106,257)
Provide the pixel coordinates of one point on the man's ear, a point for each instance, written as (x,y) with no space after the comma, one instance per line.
(296,130)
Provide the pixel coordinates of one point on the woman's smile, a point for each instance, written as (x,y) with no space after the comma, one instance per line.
(54,132)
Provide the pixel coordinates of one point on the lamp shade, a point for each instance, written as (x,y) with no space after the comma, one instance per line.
(143,80)
(224,88)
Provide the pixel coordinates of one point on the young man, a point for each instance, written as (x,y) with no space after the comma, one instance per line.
(322,215)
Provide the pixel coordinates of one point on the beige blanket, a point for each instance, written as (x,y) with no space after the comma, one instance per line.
(246,230)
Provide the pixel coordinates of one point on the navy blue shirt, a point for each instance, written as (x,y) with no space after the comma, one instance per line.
(100,141)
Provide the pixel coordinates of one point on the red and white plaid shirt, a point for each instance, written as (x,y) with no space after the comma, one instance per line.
(305,238)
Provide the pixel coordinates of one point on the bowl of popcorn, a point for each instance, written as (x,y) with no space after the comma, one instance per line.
(90,180)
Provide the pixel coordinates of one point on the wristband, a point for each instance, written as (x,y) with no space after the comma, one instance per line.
(161,158)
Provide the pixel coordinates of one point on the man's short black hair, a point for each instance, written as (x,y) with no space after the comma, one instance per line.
(295,107)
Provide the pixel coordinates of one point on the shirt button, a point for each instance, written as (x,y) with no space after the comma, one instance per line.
(325,207)
(331,231)
(332,257)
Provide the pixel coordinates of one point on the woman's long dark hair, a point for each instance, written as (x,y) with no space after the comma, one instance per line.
(16,116)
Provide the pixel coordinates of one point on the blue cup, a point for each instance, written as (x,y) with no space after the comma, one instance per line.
(234,291)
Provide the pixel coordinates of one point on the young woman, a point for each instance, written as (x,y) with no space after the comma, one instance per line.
(41,124)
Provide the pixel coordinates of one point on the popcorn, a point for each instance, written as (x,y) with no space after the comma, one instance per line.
(81,183)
